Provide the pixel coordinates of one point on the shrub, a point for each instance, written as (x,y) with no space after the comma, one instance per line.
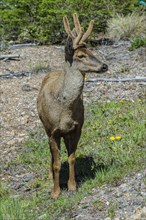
(41,20)
(132,25)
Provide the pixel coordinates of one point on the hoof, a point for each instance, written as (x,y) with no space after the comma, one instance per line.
(71,187)
(54,195)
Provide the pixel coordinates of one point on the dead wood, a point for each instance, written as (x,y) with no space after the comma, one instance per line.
(136,79)
(9,56)
(22,45)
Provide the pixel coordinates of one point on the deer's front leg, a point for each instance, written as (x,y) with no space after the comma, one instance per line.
(56,165)
(71,141)
(71,181)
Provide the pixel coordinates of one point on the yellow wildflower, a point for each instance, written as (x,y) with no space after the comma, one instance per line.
(118,138)
(112,138)
(85,78)
(121,100)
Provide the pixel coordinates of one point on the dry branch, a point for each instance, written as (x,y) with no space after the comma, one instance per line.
(22,45)
(9,56)
(136,79)
(15,75)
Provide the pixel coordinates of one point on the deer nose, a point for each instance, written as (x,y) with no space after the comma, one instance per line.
(104,67)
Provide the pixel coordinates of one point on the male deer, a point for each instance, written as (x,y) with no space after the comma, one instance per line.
(60,104)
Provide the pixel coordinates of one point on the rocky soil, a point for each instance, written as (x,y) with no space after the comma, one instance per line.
(125,201)
(20,82)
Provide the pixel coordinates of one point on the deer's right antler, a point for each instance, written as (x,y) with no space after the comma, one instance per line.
(80,37)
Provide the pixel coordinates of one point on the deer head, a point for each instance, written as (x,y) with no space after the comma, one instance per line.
(76,50)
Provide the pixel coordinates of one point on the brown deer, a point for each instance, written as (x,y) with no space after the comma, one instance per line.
(60,104)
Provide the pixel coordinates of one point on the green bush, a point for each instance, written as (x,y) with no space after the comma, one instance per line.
(41,20)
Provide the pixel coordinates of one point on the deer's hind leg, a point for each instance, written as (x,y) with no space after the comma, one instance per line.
(56,164)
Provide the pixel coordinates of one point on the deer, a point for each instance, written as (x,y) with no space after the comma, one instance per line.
(60,100)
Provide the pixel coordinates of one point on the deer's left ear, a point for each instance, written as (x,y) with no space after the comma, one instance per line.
(69,50)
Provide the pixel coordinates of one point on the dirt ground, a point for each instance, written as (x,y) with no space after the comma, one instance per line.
(21,79)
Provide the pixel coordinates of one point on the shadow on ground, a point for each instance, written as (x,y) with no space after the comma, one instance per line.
(85,168)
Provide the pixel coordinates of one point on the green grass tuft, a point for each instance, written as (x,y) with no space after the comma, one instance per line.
(39,68)
(137,42)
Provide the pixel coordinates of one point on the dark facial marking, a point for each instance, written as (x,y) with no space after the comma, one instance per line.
(69,51)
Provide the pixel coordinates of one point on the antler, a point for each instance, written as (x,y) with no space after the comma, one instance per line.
(88,32)
(67,27)
(81,37)
(76,23)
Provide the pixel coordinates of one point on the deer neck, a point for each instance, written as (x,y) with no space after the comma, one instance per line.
(72,84)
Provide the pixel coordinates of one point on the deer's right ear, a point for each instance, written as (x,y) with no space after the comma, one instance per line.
(69,50)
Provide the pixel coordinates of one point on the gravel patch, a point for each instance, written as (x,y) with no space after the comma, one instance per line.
(123,202)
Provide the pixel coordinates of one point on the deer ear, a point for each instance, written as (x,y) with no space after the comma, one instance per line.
(69,50)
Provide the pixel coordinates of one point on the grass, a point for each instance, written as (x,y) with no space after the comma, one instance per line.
(39,67)
(137,42)
(111,146)
(132,25)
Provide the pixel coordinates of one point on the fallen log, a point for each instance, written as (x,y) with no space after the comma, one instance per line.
(136,79)
(9,56)
(22,45)
(92,80)
(15,75)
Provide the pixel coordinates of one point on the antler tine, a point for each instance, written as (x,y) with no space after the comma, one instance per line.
(67,27)
(87,33)
(76,23)
(78,29)
(78,38)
